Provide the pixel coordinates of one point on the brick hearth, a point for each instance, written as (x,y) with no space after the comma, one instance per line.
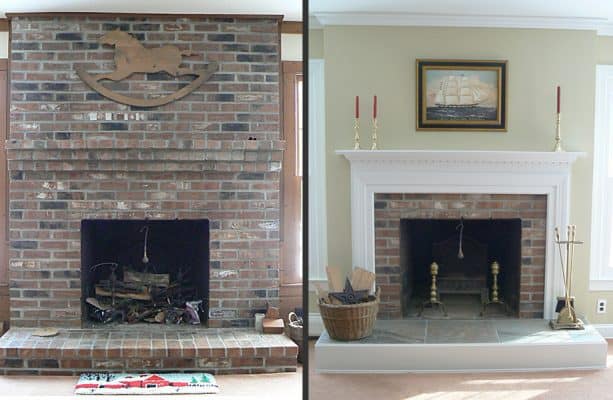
(221,351)
(391,207)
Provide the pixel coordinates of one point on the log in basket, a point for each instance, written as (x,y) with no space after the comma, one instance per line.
(350,321)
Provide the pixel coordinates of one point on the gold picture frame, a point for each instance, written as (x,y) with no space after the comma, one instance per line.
(461,95)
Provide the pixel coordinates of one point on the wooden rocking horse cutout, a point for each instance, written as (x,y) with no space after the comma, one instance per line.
(131,56)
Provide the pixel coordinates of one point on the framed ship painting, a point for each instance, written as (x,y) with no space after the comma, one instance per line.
(461,95)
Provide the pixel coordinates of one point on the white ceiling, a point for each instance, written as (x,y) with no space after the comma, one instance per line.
(291,9)
(575,14)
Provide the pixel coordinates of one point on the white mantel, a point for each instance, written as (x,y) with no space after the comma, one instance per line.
(450,171)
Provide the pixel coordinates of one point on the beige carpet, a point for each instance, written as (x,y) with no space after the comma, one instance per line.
(564,385)
(283,386)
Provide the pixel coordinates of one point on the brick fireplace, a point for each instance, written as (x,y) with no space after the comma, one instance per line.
(75,157)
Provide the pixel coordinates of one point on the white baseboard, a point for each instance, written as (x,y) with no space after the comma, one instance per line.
(316,325)
(606,330)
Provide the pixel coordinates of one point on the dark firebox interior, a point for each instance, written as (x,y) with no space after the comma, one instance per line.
(179,248)
(423,241)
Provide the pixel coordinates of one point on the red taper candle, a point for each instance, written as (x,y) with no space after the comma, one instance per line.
(357,106)
(374,107)
(558,100)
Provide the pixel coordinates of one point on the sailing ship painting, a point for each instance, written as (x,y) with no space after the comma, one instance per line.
(459,96)
(456,91)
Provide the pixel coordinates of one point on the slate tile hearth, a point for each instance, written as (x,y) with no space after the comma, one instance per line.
(427,331)
(219,351)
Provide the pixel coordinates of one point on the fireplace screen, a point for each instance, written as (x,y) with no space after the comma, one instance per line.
(154,271)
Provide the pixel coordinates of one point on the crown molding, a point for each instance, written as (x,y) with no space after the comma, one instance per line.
(314,23)
(601,25)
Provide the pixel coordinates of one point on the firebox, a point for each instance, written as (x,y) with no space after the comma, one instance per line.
(464,251)
(154,271)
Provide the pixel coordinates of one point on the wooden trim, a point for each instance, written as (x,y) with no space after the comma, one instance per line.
(291,27)
(292,67)
(4,25)
(4,126)
(291,181)
(158,15)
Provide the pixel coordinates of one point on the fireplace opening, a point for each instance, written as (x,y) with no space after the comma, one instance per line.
(145,271)
(464,251)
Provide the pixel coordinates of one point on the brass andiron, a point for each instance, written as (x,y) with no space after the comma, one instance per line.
(356,135)
(374,134)
(434,297)
(495,268)
(567,317)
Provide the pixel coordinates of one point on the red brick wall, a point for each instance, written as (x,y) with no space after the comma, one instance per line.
(74,154)
(390,208)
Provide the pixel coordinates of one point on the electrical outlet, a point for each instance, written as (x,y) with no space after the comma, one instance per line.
(601,306)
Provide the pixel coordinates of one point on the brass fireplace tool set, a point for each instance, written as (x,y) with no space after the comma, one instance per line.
(567,317)
(435,299)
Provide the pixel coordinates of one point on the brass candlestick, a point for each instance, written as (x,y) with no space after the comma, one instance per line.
(567,317)
(356,136)
(495,268)
(434,298)
(374,134)
(558,144)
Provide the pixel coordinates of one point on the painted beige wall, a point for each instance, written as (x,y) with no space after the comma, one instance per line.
(605,50)
(316,43)
(381,60)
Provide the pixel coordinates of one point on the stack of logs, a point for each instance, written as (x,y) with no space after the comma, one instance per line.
(144,297)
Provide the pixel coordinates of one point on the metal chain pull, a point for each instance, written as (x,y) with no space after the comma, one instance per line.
(461,228)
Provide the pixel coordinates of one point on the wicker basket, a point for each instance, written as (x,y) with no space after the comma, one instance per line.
(350,321)
(295,333)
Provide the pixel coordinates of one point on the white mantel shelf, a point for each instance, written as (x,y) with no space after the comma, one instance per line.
(465,158)
(458,171)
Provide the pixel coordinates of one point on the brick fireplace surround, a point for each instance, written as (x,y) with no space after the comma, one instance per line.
(391,207)
(74,155)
